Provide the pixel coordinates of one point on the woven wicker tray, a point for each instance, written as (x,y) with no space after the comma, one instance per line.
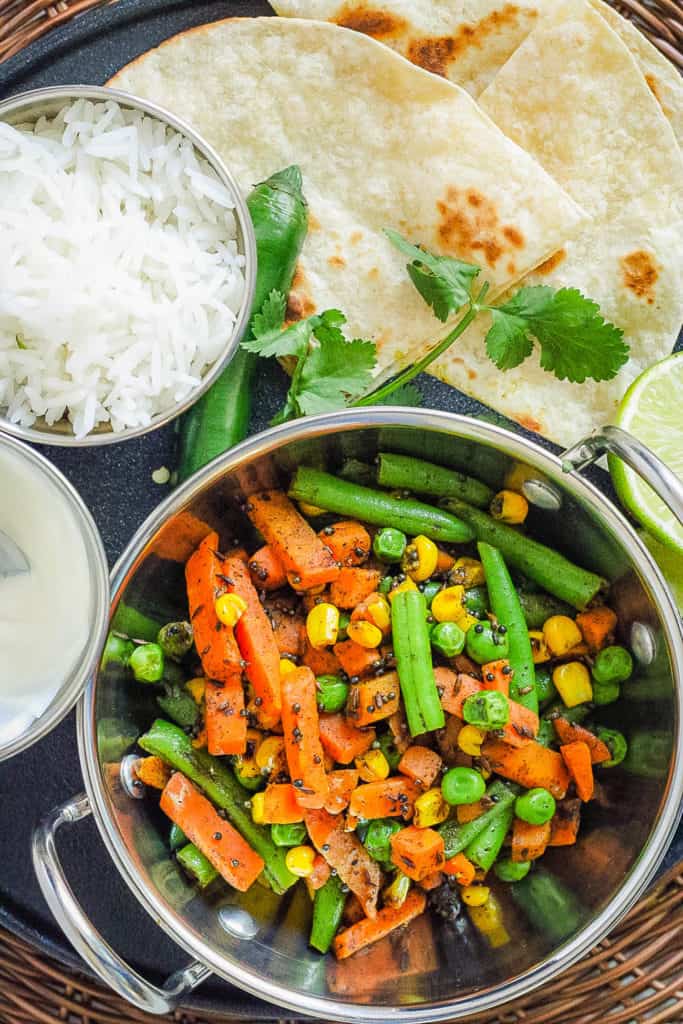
(633,977)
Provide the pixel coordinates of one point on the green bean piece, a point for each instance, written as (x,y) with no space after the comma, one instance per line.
(134,624)
(505,605)
(196,864)
(508,870)
(385,584)
(544,565)
(177,703)
(546,735)
(117,651)
(385,743)
(328,907)
(605,693)
(430,590)
(289,835)
(487,643)
(576,715)
(616,743)
(377,839)
(406,473)
(538,607)
(536,806)
(545,687)
(412,649)
(217,781)
(550,906)
(344,620)
(359,472)
(389,545)
(486,846)
(448,639)
(488,464)
(456,836)
(333,693)
(487,710)
(176,837)
(243,768)
(462,786)
(476,601)
(147,663)
(176,639)
(376,507)
(612,665)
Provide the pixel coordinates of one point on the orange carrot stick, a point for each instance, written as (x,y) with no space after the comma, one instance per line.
(320,660)
(417,852)
(225,717)
(462,869)
(319,875)
(347,856)
(529,842)
(390,798)
(153,772)
(289,630)
(280,805)
(420,764)
(342,784)
(342,740)
(455,689)
(568,732)
(367,931)
(597,626)
(220,843)
(302,737)
(348,541)
(469,812)
(308,563)
(267,571)
(577,757)
(496,675)
(352,586)
(356,660)
(565,824)
(373,699)
(522,727)
(531,765)
(215,642)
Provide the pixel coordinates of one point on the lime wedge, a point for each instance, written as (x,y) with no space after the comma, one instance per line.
(652,410)
(671,565)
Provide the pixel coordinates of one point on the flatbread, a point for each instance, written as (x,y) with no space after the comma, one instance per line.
(573,96)
(468,41)
(381,144)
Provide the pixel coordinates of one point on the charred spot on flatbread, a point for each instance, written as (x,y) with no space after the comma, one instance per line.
(640,274)
(370,21)
(299,304)
(469,226)
(552,262)
(529,423)
(436,53)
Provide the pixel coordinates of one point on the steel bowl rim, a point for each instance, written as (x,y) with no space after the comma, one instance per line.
(69,691)
(244,227)
(652,853)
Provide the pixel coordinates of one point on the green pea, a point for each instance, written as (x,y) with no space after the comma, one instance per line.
(332,693)
(147,663)
(176,837)
(536,806)
(477,601)
(487,644)
(344,619)
(462,786)
(448,639)
(389,545)
(288,835)
(430,590)
(176,639)
(545,687)
(511,871)
(378,837)
(245,775)
(605,693)
(616,742)
(117,651)
(612,665)
(385,584)
(487,710)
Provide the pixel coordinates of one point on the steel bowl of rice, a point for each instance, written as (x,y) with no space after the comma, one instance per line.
(128,266)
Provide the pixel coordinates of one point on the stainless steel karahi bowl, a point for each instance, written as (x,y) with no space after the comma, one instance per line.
(27,107)
(433,973)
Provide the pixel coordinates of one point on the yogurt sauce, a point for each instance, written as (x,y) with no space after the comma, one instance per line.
(44,615)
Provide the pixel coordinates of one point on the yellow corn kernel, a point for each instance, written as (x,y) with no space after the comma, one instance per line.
(364,633)
(299,860)
(573,683)
(258,808)
(488,919)
(420,558)
(469,572)
(310,510)
(509,507)
(373,766)
(195,688)
(470,739)
(230,608)
(406,585)
(246,767)
(485,773)
(269,753)
(322,625)
(561,634)
(448,606)
(518,475)
(465,620)
(395,895)
(430,809)
(379,612)
(539,649)
(286,666)
(475,895)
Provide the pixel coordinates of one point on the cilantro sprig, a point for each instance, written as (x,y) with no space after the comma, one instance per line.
(576,342)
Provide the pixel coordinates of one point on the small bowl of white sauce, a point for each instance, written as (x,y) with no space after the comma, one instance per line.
(53,617)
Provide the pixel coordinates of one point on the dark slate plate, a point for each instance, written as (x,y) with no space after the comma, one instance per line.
(116,484)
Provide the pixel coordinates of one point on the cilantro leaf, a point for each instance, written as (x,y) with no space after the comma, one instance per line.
(404,394)
(271,316)
(576,341)
(443,282)
(334,370)
(292,341)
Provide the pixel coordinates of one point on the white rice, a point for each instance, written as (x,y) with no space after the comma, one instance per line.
(120,280)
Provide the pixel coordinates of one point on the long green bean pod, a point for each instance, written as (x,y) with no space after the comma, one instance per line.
(539,607)
(506,606)
(550,906)
(486,846)
(547,567)
(412,648)
(456,837)
(195,863)
(173,746)
(405,472)
(349,499)
(328,907)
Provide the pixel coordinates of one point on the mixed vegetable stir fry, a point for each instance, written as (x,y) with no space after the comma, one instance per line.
(392,706)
